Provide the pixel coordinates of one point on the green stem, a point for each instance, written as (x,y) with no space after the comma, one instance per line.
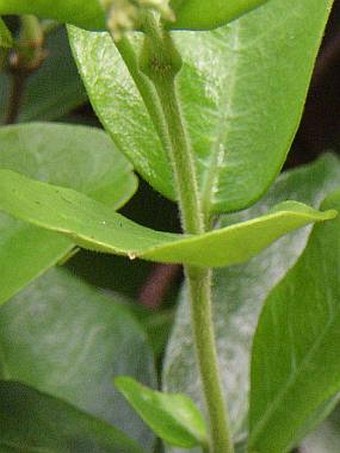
(161,62)
(199,281)
(145,88)
(182,160)
(28,56)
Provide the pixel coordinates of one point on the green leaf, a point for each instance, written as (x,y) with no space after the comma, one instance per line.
(115,98)
(25,253)
(157,324)
(66,339)
(6,39)
(174,418)
(89,14)
(242,89)
(238,295)
(196,15)
(51,152)
(54,90)
(32,421)
(97,227)
(295,361)
(209,14)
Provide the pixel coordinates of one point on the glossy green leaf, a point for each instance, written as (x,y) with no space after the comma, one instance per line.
(295,361)
(238,295)
(97,227)
(209,14)
(174,418)
(5,36)
(116,99)
(89,14)
(78,157)
(242,89)
(66,339)
(32,421)
(54,90)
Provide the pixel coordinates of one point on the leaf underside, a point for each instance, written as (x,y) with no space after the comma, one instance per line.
(69,340)
(238,296)
(96,227)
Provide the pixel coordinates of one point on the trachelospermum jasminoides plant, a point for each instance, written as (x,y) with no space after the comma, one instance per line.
(218,94)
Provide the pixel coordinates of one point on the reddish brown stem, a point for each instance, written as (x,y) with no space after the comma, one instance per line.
(157,284)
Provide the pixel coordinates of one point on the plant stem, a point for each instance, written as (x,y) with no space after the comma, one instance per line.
(28,56)
(161,62)
(145,88)
(182,160)
(199,281)
(16,91)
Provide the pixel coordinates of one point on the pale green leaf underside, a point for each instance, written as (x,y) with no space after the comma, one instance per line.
(239,293)
(242,89)
(63,337)
(295,361)
(173,417)
(97,227)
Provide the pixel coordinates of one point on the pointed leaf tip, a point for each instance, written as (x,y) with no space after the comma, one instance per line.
(6,39)
(173,417)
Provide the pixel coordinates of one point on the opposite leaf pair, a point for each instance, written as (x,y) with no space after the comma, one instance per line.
(188,14)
